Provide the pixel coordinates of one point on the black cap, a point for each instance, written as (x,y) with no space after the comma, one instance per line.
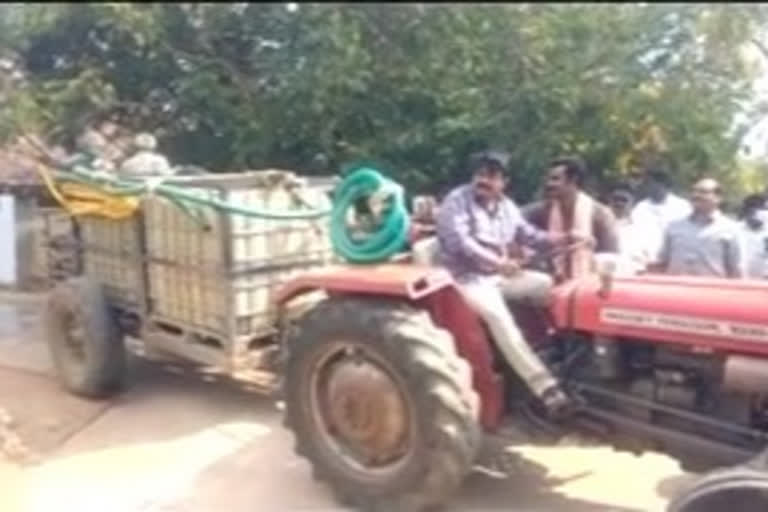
(489,158)
(754,202)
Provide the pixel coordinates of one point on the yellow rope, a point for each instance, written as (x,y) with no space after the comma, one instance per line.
(80,199)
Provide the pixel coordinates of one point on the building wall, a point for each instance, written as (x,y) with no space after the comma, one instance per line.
(8,255)
(23,251)
(29,241)
(30,246)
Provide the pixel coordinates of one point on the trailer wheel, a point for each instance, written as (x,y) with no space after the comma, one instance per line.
(85,343)
(380,404)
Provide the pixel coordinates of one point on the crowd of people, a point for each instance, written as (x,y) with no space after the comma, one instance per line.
(645,223)
(487,243)
(660,231)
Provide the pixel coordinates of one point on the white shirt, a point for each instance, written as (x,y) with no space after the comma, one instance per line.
(654,218)
(633,246)
(755,250)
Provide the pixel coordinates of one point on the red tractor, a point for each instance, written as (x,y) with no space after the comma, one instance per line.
(392,381)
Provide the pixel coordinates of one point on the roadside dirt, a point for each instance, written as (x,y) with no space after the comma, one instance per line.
(36,416)
(11,445)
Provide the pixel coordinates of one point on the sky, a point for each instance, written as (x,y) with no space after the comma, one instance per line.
(755,143)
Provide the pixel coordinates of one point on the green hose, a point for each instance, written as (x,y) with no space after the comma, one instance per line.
(378,243)
(177,194)
(389,235)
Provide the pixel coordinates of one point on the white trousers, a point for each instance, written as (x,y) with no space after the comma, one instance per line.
(486,296)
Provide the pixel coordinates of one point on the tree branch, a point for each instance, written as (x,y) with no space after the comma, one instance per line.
(761,47)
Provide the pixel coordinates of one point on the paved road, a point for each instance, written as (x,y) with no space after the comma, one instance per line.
(178,442)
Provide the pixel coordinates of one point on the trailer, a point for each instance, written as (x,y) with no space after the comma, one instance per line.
(195,288)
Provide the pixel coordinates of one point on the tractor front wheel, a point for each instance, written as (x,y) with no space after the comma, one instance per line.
(380,404)
(741,488)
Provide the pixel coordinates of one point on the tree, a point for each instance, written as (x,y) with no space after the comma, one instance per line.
(411,88)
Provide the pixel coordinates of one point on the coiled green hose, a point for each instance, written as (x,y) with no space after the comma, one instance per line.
(390,234)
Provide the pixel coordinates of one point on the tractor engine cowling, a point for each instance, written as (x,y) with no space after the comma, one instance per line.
(681,353)
(695,313)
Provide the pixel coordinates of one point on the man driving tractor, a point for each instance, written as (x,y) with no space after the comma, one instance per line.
(477,228)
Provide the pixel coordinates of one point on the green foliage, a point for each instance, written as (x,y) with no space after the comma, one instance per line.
(412,87)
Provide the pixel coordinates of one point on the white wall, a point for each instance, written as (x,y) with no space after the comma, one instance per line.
(8,262)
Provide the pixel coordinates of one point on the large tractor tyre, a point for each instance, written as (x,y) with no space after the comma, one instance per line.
(85,342)
(380,404)
(741,488)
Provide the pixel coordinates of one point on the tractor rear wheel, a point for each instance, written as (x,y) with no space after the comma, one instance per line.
(86,344)
(380,404)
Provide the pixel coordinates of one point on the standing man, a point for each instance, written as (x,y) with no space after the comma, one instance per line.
(621,202)
(476,227)
(146,162)
(706,242)
(94,144)
(568,209)
(90,151)
(631,239)
(635,181)
(658,209)
(755,236)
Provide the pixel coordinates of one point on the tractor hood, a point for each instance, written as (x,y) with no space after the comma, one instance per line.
(703,313)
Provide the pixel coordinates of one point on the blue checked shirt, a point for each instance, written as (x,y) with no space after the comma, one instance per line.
(473,239)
